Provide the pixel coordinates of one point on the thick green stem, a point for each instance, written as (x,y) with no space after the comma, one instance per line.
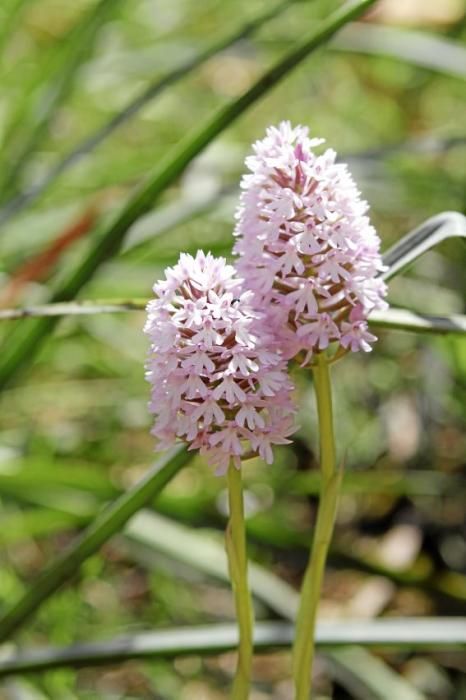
(303,649)
(238,564)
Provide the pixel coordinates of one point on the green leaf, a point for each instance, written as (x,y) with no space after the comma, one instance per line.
(78,491)
(397,319)
(449,224)
(30,474)
(72,53)
(22,345)
(77,308)
(421,145)
(109,522)
(429,51)
(166,218)
(154,89)
(401,255)
(9,15)
(36,522)
(395,482)
(68,498)
(206,553)
(349,666)
(70,502)
(409,633)
(404,320)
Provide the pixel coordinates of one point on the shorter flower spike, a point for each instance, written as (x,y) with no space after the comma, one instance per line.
(219,381)
(306,246)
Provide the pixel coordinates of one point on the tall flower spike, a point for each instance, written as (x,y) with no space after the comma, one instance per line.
(218,382)
(305,245)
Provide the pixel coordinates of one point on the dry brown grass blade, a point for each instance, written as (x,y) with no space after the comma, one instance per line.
(39,267)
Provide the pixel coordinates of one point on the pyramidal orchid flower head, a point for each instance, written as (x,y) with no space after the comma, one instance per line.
(218,380)
(305,244)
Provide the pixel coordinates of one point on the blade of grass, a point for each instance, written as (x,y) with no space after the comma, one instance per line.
(73,52)
(76,308)
(50,487)
(395,482)
(349,666)
(166,218)
(77,492)
(149,93)
(205,553)
(407,633)
(38,522)
(404,320)
(397,319)
(9,15)
(69,502)
(210,556)
(449,224)
(77,505)
(446,586)
(20,348)
(420,48)
(31,474)
(429,234)
(109,522)
(421,145)
(38,267)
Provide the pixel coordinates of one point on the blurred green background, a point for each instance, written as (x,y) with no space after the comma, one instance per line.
(74,428)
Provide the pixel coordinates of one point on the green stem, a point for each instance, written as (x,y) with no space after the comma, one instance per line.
(238,565)
(303,649)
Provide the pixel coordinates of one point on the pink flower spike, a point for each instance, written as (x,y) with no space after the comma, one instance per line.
(217,380)
(305,245)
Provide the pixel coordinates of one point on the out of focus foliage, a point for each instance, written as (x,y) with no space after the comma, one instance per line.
(74,431)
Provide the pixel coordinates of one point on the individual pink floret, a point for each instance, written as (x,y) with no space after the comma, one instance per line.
(305,244)
(219,381)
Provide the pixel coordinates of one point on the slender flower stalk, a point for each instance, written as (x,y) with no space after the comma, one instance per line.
(303,649)
(237,562)
(220,383)
(307,251)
